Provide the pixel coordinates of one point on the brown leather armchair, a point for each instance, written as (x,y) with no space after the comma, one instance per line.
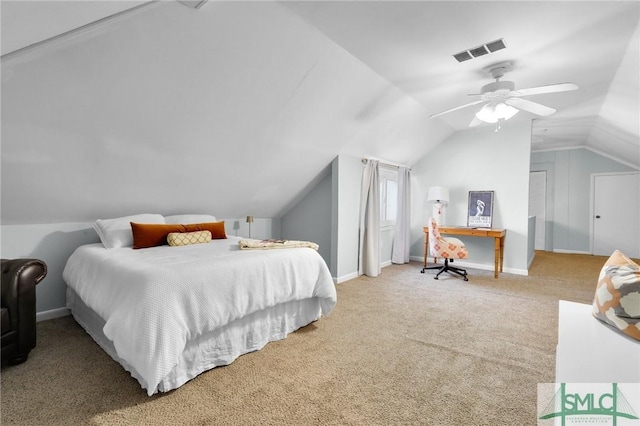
(19,279)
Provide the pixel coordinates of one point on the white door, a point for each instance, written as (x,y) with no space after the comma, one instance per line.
(616,214)
(538,205)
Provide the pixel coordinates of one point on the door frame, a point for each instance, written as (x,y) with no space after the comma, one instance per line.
(546,207)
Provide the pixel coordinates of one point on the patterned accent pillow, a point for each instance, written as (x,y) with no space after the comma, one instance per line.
(187,238)
(617,298)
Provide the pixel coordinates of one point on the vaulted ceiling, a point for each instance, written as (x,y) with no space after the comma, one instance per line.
(593,44)
(113,107)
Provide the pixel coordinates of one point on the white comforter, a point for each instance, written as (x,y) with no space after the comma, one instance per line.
(154,300)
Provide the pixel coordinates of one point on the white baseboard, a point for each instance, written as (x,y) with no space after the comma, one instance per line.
(353,275)
(482,266)
(485,267)
(344,278)
(516,271)
(570,251)
(53,313)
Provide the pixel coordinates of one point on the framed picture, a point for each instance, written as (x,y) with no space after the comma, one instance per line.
(480,211)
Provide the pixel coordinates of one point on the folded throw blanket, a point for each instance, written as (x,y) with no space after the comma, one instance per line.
(274,244)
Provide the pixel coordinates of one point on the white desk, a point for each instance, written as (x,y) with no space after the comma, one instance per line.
(590,352)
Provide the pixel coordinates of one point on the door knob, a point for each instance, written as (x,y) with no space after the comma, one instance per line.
(597,216)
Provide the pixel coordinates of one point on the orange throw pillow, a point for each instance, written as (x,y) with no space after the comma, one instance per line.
(216,229)
(151,234)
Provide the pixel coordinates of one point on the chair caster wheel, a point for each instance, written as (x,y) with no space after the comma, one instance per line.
(422,272)
(435,278)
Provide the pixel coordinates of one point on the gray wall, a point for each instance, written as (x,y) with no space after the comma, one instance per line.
(568,194)
(310,219)
(329,215)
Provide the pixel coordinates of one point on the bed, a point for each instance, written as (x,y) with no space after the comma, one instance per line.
(167,314)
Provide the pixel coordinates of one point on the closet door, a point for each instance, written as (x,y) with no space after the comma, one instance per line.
(616,214)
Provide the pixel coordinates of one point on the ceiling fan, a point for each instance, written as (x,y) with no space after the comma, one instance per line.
(502,101)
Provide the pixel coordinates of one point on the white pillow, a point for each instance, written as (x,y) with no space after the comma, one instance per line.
(186,219)
(115,233)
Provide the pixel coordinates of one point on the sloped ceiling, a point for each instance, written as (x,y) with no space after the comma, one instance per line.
(237,107)
(26,23)
(234,109)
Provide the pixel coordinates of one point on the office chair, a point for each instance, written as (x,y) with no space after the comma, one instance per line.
(446,248)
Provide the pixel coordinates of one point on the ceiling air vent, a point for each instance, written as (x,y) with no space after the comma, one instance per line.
(480,50)
(463,56)
(495,45)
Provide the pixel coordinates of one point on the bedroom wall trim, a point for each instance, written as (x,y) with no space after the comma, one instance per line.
(571,251)
(344,278)
(485,267)
(52,314)
(481,266)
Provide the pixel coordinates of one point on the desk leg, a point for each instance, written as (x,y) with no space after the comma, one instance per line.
(497,257)
(501,252)
(426,247)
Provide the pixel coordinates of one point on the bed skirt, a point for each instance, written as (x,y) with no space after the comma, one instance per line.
(210,350)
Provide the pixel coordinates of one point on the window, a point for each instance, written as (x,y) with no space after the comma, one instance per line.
(388,196)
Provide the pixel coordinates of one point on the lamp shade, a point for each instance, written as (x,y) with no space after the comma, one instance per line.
(492,112)
(249,219)
(438,194)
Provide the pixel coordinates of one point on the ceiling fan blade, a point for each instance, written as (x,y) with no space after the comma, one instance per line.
(552,88)
(479,101)
(527,105)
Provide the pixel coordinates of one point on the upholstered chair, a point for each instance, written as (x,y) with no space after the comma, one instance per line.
(19,279)
(446,248)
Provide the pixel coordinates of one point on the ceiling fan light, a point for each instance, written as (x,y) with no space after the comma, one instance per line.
(505,111)
(491,113)
(487,114)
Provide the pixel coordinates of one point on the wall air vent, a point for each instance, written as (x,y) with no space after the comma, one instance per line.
(478,51)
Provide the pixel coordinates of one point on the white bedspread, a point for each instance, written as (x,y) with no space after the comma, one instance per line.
(154,300)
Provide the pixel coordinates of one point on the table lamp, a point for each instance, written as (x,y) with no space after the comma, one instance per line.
(439,196)
(249,221)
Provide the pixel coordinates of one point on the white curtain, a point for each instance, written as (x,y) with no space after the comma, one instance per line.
(401,242)
(369,256)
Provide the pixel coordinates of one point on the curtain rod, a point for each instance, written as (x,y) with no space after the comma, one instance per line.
(384,163)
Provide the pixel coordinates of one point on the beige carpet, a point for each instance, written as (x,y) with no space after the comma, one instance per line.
(399,349)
